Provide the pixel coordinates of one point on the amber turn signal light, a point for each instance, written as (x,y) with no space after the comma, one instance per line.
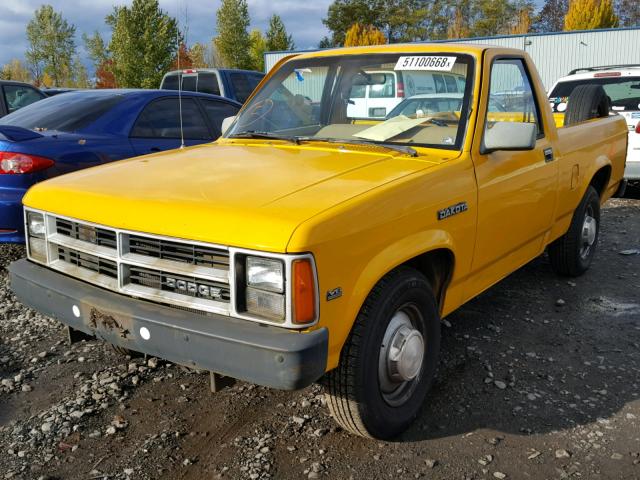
(304,292)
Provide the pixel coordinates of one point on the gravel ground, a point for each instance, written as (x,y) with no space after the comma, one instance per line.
(539,378)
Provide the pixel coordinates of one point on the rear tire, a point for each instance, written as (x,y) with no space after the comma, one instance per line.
(571,255)
(380,385)
(585,103)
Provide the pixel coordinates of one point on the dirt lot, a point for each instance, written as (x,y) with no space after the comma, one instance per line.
(540,378)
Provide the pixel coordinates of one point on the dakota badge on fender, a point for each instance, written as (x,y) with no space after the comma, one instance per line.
(452,210)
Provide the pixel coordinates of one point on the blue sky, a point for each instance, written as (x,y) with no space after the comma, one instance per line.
(303,19)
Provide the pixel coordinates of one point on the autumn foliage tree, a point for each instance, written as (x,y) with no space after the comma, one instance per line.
(590,15)
(363,35)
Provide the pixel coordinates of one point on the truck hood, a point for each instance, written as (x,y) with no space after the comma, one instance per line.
(250,195)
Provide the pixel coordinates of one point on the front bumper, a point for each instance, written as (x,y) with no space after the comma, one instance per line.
(266,355)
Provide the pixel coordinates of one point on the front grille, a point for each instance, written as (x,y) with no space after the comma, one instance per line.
(181,284)
(178,273)
(87,233)
(88,262)
(179,252)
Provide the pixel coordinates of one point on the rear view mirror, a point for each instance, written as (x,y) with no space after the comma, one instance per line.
(363,78)
(509,136)
(226,123)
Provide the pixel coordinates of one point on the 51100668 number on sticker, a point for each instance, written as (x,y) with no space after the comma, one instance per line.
(430,62)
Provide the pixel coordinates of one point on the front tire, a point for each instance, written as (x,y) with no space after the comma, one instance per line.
(389,360)
(571,255)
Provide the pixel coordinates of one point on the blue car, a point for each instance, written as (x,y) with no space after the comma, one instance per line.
(86,128)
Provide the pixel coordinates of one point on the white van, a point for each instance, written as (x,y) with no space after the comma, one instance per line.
(376,101)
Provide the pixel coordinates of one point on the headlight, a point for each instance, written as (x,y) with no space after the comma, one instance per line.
(265,274)
(265,288)
(35,224)
(35,236)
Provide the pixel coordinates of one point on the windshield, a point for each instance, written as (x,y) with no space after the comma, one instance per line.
(64,113)
(354,98)
(624,92)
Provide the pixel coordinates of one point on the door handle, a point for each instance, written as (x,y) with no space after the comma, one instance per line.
(548,155)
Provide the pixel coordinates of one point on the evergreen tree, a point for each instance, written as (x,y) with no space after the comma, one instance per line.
(277,37)
(258,47)
(233,42)
(51,45)
(143,44)
(590,14)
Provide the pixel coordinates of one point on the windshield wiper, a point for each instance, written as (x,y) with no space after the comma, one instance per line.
(390,146)
(266,135)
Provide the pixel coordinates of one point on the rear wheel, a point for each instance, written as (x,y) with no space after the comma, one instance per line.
(586,102)
(572,254)
(390,359)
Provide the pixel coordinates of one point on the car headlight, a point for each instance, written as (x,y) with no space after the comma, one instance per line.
(265,274)
(35,224)
(265,288)
(35,236)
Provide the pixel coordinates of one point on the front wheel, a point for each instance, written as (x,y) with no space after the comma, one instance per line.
(571,255)
(390,359)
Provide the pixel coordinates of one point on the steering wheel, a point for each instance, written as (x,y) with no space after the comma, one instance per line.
(257,112)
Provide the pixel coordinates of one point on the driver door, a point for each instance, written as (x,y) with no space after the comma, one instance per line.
(517,190)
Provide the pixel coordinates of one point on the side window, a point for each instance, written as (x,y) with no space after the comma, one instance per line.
(451,84)
(170,82)
(161,119)
(386,90)
(18,96)
(461,84)
(217,112)
(208,83)
(440,85)
(190,82)
(358,91)
(510,87)
(241,86)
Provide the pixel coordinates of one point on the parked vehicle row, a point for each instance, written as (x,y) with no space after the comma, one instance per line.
(230,83)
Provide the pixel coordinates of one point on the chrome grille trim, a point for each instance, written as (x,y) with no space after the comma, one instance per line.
(101,255)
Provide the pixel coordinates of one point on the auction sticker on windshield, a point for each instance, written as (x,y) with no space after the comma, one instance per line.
(425,63)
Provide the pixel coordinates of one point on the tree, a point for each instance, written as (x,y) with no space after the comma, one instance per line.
(233,41)
(199,53)
(462,17)
(51,44)
(590,14)
(277,37)
(363,35)
(143,44)
(399,20)
(104,75)
(628,12)
(182,59)
(551,16)
(493,17)
(15,70)
(522,23)
(258,47)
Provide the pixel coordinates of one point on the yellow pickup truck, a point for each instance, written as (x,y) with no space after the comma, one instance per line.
(306,244)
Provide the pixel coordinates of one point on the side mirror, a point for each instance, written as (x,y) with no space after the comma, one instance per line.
(509,136)
(226,123)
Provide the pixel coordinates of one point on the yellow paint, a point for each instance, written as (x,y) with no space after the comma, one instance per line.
(361,211)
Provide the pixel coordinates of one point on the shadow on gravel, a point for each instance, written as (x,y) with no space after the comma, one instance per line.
(517,361)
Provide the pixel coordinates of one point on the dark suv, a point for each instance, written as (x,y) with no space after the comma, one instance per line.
(234,84)
(15,95)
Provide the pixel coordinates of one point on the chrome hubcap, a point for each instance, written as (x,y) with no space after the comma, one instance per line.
(589,232)
(401,356)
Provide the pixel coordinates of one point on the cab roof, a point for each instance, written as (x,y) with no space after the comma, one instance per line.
(469,48)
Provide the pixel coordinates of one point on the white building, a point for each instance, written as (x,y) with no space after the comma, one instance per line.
(555,54)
